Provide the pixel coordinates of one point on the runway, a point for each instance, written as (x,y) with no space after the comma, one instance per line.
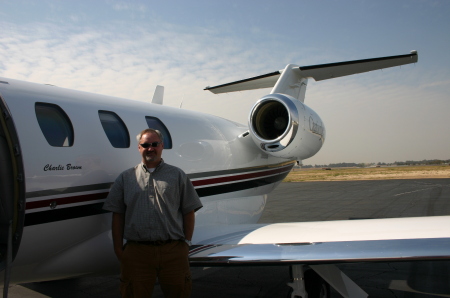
(309,201)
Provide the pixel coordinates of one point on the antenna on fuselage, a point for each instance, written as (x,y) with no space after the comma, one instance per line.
(181,103)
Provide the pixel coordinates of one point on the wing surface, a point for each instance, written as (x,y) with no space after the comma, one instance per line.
(326,242)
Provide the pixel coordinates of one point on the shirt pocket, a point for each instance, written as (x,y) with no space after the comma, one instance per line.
(167,192)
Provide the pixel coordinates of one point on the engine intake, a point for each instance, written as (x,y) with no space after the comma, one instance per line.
(277,125)
(274,122)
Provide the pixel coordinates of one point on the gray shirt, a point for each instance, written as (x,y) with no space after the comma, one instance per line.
(153,203)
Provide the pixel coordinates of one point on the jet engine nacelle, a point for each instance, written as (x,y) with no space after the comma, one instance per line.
(282,126)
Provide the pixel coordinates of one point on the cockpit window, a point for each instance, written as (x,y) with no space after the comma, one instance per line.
(157,124)
(115,129)
(54,124)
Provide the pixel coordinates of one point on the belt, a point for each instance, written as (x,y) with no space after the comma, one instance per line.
(154,243)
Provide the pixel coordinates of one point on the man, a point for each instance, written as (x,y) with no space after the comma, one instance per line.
(153,207)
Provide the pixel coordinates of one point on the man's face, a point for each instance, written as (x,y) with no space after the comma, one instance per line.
(151,156)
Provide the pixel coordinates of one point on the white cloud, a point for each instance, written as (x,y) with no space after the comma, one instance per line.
(366,116)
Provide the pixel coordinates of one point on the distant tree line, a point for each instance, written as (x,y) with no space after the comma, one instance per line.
(364,165)
(422,162)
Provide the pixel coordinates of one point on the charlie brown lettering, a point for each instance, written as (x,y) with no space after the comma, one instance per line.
(50,167)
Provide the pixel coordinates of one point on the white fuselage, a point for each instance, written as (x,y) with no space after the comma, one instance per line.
(66,186)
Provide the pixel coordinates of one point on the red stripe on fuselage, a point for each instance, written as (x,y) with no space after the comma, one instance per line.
(240,177)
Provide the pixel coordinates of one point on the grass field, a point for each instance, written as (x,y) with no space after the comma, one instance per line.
(382,173)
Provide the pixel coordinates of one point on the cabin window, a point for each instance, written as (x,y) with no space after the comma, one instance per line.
(115,129)
(157,124)
(54,124)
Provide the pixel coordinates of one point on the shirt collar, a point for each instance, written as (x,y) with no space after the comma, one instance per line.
(144,167)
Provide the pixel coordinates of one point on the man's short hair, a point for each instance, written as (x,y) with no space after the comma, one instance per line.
(149,130)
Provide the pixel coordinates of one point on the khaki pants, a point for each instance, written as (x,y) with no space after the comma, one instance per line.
(141,264)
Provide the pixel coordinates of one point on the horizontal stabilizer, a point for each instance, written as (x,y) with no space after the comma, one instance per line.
(317,72)
(263,81)
(340,69)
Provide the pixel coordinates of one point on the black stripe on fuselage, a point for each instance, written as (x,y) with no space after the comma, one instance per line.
(54,215)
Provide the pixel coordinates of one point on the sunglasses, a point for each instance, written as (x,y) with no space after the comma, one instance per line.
(146,145)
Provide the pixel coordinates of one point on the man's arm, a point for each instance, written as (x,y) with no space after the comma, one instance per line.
(188,225)
(118,223)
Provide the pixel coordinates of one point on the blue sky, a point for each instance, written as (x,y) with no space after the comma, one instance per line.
(126,48)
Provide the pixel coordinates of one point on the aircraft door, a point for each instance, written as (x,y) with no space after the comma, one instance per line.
(12,188)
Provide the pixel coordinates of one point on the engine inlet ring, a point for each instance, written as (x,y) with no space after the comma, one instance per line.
(273,121)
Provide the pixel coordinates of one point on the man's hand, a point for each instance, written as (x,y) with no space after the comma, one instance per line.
(118,223)
(188,225)
(119,253)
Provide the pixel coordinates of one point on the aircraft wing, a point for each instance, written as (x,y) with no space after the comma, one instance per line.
(325,242)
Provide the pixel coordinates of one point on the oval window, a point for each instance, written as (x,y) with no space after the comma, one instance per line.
(157,124)
(115,129)
(54,124)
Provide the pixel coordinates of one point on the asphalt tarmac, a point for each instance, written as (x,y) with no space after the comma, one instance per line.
(309,201)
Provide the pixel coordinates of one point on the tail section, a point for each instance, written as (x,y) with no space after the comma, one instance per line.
(293,79)
(291,82)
